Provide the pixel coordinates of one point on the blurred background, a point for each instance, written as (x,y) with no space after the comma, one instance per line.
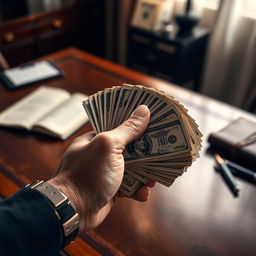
(208,46)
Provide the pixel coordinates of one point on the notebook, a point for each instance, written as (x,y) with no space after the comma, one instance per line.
(237,141)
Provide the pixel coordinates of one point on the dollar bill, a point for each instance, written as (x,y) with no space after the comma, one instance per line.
(158,141)
(130,183)
(168,146)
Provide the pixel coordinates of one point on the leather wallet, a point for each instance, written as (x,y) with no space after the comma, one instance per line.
(237,141)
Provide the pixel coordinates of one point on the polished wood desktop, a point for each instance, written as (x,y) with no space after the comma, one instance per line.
(197,215)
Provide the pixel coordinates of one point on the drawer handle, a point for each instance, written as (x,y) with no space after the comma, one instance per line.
(166,48)
(57,23)
(140,39)
(9,37)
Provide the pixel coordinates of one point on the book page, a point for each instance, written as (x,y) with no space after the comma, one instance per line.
(33,107)
(65,119)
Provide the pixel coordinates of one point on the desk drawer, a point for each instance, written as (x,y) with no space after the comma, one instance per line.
(15,33)
(165,64)
(141,39)
(29,37)
(57,21)
(166,48)
(19,52)
(141,54)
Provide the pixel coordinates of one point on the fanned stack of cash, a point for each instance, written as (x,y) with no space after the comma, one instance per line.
(168,146)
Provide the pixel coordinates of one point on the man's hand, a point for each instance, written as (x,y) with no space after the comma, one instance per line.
(92,168)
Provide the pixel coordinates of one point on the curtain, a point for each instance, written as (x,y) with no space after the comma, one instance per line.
(230,70)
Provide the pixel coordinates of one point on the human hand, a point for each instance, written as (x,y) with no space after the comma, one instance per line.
(91,170)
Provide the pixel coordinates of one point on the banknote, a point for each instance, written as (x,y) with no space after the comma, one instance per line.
(139,177)
(167,139)
(88,109)
(106,106)
(168,146)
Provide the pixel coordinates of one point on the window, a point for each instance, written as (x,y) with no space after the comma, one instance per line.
(210,4)
(249,8)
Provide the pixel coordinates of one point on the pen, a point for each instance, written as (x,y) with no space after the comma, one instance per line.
(227,175)
(242,171)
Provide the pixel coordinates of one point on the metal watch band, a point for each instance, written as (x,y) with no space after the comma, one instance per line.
(63,208)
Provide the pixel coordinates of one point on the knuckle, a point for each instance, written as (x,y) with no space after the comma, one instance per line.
(132,124)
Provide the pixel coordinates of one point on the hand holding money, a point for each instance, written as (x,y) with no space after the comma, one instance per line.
(167,147)
(92,169)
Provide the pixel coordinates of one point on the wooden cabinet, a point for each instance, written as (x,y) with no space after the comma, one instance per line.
(56,31)
(27,38)
(175,58)
(33,36)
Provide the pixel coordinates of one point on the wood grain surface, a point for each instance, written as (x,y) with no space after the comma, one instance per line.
(198,215)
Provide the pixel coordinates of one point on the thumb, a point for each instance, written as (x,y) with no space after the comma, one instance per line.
(132,128)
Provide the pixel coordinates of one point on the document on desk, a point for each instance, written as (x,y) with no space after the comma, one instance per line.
(169,145)
(48,110)
(30,73)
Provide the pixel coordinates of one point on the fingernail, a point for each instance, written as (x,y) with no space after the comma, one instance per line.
(148,194)
(141,111)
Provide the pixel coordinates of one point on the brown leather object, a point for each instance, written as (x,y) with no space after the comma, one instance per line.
(237,140)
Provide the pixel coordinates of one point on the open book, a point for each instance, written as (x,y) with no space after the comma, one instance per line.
(48,110)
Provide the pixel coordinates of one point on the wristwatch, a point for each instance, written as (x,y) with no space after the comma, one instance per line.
(63,209)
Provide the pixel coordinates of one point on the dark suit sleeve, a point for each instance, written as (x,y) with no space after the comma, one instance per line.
(29,225)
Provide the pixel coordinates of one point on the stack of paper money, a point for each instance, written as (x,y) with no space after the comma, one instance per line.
(168,146)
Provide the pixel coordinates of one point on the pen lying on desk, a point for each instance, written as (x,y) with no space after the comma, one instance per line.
(241,171)
(238,170)
(227,174)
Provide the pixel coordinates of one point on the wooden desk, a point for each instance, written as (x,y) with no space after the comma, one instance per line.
(198,215)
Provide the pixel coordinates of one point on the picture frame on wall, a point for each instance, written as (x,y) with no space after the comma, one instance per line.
(151,14)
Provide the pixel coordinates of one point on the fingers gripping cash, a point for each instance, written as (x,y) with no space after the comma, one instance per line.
(167,147)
